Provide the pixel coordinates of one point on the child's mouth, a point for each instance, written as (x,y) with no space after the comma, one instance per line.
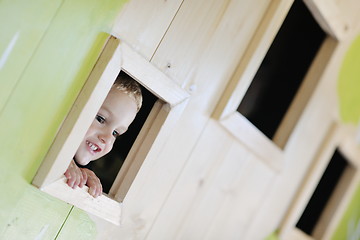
(93,147)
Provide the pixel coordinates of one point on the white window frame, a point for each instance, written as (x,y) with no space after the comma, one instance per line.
(116,56)
(342,138)
(271,151)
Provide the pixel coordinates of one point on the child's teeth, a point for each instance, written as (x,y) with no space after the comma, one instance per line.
(93,147)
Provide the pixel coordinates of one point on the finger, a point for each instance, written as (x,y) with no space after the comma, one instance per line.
(100,189)
(84,177)
(97,191)
(92,191)
(98,186)
(71,180)
(83,180)
(77,180)
(67,174)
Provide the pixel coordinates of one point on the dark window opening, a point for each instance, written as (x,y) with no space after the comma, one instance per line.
(107,167)
(282,70)
(322,193)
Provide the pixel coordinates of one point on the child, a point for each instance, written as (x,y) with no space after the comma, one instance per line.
(113,119)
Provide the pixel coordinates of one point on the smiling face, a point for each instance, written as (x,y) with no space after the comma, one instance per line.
(113,119)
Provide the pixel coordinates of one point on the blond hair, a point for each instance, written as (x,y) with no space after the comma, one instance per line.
(130,87)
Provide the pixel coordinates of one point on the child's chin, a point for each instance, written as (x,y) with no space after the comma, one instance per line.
(81,162)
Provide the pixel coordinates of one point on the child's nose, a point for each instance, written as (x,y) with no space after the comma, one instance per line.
(105,138)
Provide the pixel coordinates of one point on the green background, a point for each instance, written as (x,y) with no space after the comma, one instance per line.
(47,50)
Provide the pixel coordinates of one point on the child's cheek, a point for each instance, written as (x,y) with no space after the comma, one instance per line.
(108,148)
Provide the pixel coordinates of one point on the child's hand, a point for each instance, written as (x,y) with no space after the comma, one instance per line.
(93,182)
(75,177)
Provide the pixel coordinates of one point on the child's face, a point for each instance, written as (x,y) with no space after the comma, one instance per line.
(112,120)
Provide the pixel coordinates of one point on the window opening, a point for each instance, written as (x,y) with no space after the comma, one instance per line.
(282,70)
(151,133)
(323,192)
(107,167)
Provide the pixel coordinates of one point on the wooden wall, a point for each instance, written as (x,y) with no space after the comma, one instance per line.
(205,184)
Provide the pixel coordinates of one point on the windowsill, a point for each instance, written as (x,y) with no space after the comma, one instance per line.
(102,206)
(246,133)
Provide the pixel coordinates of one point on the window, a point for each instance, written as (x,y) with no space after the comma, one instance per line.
(108,166)
(336,169)
(327,189)
(275,79)
(282,71)
(167,102)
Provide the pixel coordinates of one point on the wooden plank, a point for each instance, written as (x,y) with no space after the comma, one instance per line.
(297,234)
(19,40)
(102,206)
(350,11)
(191,185)
(329,16)
(151,78)
(254,140)
(79,226)
(27,213)
(225,205)
(210,27)
(252,58)
(311,179)
(143,23)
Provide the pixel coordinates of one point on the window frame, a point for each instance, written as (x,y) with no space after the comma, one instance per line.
(115,56)
(342,138)
(272,151)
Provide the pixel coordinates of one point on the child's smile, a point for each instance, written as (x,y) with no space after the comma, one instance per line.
(112,120)
(93,147)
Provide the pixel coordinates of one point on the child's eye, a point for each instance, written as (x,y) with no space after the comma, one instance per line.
(100,119)
(115,134)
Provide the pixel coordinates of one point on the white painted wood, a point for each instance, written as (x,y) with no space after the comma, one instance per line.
(252,58)
(350,11)
(151,78)
(254,140)
(102,206)
(205,36)
(240,200)
(312,178)
(226,110)
(297,234)
(341,197)
(301,148)
(143,23)
(330,17)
